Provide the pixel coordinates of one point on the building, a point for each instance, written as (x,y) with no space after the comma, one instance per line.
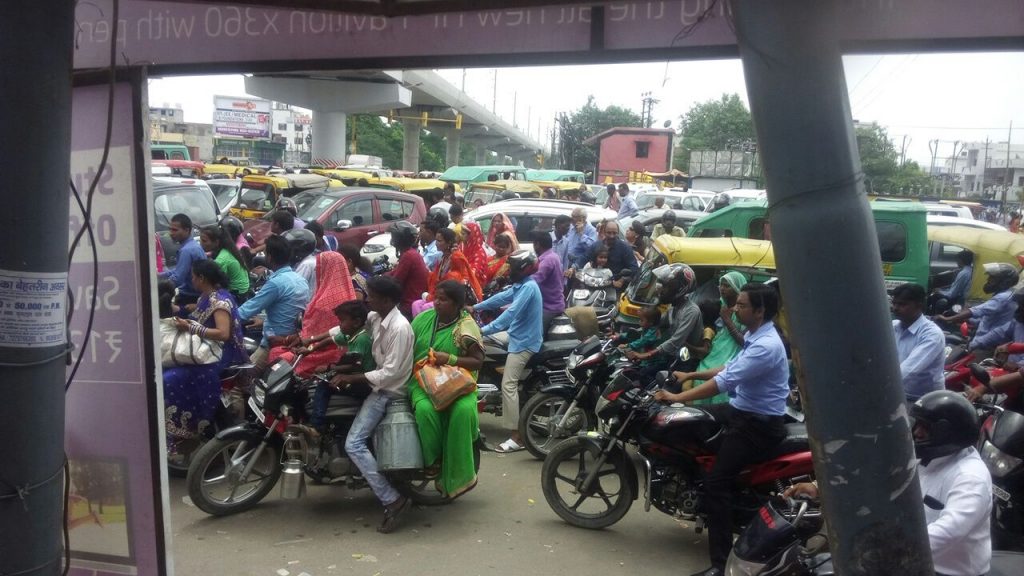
(624,150)
(167,126)
(292,127)
(987,169)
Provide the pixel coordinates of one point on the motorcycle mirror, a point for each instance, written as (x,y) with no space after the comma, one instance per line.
(684,354)
(626,274)
(957,308)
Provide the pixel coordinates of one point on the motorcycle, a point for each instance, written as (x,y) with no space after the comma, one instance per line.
(564,408)
(775,543)
(545,367)
(1002,449)
(241,465)
(594,289)
(668,449)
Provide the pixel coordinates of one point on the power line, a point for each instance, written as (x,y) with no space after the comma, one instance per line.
(865,77)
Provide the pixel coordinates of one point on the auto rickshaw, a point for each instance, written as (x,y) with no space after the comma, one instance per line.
(345,176)
(709,258)
(422,187)
(988,246)
(481,193)
(259,194)
(562,188)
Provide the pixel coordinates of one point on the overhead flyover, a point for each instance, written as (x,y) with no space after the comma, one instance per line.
(333,95)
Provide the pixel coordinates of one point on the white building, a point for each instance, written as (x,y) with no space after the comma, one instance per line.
(988,169)
(291,126)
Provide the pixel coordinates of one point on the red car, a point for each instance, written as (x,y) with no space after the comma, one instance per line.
(351,214)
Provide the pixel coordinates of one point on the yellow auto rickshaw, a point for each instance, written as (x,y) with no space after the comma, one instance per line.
(422,187)
(481,193)
(562,189)
(346,177)
(259,194)
(988,246)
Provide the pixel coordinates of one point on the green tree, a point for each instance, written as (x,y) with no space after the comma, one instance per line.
(722,124)
(584,123)
(883,173)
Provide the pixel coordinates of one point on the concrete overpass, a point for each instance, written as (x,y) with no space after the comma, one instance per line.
(333,95)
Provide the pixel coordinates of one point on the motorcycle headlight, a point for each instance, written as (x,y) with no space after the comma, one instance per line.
(738,567)
(999,463)
(374,248)
(594,281)
(259,394)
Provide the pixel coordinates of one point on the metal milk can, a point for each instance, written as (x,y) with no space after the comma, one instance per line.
(397,440)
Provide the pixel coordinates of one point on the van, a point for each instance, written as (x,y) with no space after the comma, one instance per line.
(901,227)
(169,152)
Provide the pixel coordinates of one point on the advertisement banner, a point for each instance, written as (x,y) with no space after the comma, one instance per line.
(116,510)
(246,117)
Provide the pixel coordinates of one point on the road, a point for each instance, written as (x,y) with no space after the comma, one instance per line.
(503,527)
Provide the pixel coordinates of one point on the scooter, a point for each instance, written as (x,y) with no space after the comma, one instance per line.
(594,289)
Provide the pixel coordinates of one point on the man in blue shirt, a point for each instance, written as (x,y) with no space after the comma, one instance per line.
(428,242)
(284,297)
(920,344)
(581,237)
(757,381)
(190,252)
(620,254)
(522,319)
(956,293)
(996,311)
(627,205)
(1000,338)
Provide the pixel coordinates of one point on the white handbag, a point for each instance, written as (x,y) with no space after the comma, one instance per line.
(181,348)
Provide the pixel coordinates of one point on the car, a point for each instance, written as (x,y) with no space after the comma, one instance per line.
(676,199)
(351,214)
(652,216)
(934,220)
(185,196)
(226,192)
(937,209)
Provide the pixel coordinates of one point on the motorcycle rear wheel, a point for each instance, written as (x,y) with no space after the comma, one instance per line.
(213,482)
(611,493)
(421,490)
(541,415)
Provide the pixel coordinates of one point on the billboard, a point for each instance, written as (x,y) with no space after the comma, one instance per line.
(116,507)
(245,117)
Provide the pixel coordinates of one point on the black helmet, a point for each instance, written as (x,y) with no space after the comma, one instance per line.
(233,226)
(288,205)
(1001,276)
(680,277)
(669,215)
(439,215)
(521,263)
(588,197)
(301,241)
(721,201)
(950,420)
(509,195)
(403,233)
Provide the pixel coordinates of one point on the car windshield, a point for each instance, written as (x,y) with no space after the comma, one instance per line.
(254,199)
(644,289)
(312,204)
(224,191)
(197,203)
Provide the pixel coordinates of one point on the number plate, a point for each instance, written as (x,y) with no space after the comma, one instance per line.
(255,409)
(1000,493)
(580,294)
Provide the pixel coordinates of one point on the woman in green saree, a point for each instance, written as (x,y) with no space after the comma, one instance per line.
(728,340)
(447,437)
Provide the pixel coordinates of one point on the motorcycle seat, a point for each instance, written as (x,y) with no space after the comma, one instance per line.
(557,347)
(796,441)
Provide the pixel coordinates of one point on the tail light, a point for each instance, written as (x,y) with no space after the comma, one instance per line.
(612,397)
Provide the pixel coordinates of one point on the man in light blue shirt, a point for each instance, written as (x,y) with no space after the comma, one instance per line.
(581,237)
(920,344)
(1000,338)
(956,293)
(428,242)
(627,204)
(995,312)
(284,297)
(757,381)
(189,253)
(523,321)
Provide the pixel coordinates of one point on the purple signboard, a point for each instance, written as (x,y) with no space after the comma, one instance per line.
(115,514)
(178,33)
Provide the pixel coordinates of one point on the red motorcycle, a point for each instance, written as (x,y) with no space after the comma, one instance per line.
(591,480)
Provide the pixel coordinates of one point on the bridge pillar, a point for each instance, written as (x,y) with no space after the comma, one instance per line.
(481,154)
(453,141)
(329,135)
(411,145)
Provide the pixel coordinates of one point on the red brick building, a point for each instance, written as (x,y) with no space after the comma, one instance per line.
(624,150)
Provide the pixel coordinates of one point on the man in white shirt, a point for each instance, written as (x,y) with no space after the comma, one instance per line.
(392,350)
(919,342)
(956,487)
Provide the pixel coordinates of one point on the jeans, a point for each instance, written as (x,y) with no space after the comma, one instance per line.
(514,366)
(358,449)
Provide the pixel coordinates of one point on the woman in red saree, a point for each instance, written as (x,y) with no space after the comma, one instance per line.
(500,224)
(453,265)
(497,267)
(333,286)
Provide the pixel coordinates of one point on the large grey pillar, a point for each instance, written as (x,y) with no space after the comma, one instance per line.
(481,154)
(35,87)
(453,139)
(831,277)
(411,145)
(329,136)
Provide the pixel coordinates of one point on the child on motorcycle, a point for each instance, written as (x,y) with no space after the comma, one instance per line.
(650,337)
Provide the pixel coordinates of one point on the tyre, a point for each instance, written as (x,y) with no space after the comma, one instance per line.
(179,461)
(420,489)
(214,477)
(540,417)
(601,504)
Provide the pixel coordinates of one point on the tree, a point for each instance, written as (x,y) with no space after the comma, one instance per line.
(585,123)
(722,124)
(883,173)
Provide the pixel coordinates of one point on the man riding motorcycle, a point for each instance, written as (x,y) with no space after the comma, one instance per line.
(996,311)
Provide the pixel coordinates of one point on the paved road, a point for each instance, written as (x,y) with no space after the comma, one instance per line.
(504,527)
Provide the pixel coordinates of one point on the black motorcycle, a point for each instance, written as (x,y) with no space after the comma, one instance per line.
(240,466)
(1002,449)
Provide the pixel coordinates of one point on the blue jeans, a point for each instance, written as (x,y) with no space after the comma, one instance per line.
(358,449)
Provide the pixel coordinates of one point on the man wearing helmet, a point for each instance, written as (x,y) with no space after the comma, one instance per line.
(996,311)
(303,245)
(956,487)
(410,271)
(685,325)
(522,320)
(289,206)
(667,226)
(753,422)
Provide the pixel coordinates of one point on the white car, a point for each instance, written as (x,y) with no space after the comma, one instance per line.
(675,199)
(934,220)
(939,209)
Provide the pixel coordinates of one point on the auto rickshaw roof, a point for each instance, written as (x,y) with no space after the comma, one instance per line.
(739,252)
(550,175)
(300,181)
(465,173)
(518,186)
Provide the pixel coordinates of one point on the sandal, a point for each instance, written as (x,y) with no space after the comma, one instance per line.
(509,446)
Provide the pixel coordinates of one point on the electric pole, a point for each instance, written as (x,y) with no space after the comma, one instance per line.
(1008,179)
(494,99)
(933,145)
(647,110)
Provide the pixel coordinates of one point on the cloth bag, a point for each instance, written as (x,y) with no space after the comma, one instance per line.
(443,384)
(181,348)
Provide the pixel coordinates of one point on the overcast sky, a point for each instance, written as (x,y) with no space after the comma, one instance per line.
(948,97)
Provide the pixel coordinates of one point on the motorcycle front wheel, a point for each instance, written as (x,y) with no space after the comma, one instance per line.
(214,480)
(540,418)
(605,501)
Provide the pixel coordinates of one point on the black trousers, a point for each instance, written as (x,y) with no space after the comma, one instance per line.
(745,438)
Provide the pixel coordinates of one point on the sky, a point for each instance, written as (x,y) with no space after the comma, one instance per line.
(949,97)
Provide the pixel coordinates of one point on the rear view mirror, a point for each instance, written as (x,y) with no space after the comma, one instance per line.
(342,225)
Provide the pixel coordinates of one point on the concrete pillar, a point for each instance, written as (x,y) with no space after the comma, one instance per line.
(329,136)
(481,154)
(452,148)
(411,145)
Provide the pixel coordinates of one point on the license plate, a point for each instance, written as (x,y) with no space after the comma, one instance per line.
(1000,493)
(254,407)
(580,294)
